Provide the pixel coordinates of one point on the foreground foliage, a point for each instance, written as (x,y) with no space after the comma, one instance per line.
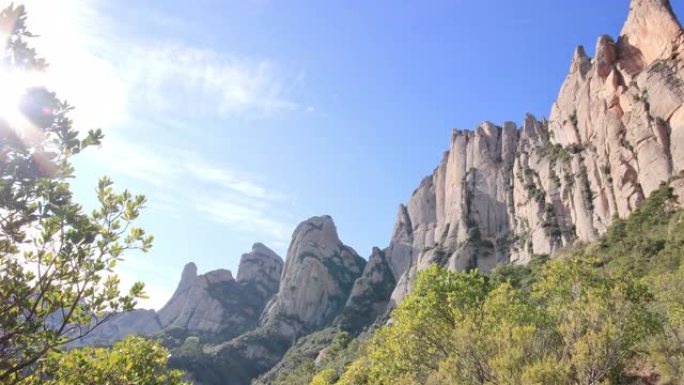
(57,280)
(131,361)
(612,313)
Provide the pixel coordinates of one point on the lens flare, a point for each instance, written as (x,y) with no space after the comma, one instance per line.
(13,87)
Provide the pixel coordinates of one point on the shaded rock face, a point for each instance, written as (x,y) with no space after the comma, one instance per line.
(503,193)
(217,305)
(370,295)
(318,277)
(213,306)
(192,307)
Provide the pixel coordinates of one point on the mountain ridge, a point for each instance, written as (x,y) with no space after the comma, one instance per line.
(501,194)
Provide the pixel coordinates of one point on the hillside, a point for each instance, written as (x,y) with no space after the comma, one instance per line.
(606,313)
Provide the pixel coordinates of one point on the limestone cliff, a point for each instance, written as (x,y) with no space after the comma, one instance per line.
(261,269)
(504,193)
(192,308)
(319,274)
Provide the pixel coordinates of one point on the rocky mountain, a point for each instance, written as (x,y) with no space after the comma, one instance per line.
(216,305)
(370,295)
(504,193)
(318,277)
(210,306)
(501,194)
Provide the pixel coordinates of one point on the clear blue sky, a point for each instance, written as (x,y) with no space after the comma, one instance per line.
(241,118)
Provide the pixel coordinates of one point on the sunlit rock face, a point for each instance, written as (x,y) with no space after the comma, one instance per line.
(262,269)
(319,274)
(504,193)
(215,304)
(192,307)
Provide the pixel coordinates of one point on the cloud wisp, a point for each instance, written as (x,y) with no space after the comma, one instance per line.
(108,75)
(204,82)
(215,192)
(117,81)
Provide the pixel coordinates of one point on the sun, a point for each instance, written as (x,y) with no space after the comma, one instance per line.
(14,85)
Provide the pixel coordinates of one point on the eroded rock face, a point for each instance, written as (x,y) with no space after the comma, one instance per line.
(218,306)
(370,295)
(318,277)
(262,268)
(319,274)
(504,193)
(193,308)
(213,306)
(651,32)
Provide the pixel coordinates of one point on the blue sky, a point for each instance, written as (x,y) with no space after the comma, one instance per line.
(240,118)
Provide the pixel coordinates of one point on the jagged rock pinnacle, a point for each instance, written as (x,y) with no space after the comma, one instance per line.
(651,32)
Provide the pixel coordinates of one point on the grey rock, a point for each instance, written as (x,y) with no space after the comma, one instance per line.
(319,274)
(214,306)
(193,308)
(370,295)
(261,268)
(318,277)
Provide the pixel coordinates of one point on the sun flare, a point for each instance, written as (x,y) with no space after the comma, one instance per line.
(14,85)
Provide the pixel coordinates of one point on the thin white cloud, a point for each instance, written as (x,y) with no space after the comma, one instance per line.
(245,218)
(200,81)
(228,197)
(108,76)
(118,82)
(162,165)
(227,179)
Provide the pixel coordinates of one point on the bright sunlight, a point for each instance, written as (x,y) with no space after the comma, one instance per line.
(14,86)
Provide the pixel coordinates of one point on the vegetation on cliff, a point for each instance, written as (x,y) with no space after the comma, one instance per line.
(608,313)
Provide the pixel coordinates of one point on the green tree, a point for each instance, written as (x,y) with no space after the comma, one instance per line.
(494,343)
(421,334)
(356,373)
(666,351)
(579,326)
(325,377)
(56,261)
(131,361)
(600,319)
